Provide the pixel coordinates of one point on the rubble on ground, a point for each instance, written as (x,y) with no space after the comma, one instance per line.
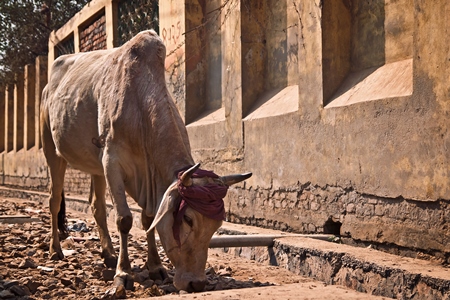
(26,272)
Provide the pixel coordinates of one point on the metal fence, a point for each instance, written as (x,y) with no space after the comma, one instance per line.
(65,47)
(135,16)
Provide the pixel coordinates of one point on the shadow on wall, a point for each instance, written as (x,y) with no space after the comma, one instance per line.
(269,52)
(367,50)
(353,37)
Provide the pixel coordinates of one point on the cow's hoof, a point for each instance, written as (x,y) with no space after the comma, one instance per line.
(113,294)
(122,283)
(116,292)
(63,235)
(110,261)
(157,273)
(56,255)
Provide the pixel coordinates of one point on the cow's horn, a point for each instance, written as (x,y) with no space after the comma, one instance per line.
(186,177)
(232,179)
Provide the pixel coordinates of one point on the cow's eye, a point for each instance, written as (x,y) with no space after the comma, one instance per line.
(188,220)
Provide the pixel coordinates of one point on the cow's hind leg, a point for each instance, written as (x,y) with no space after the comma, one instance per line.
(57,166)
(98,206)
(57,211)
(154,266)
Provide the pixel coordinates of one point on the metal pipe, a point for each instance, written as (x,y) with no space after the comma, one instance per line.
(222,241)
(256,240)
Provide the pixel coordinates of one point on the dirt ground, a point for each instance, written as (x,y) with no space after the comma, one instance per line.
(27,273)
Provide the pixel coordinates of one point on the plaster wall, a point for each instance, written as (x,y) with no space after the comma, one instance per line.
(373,166)
(339,108)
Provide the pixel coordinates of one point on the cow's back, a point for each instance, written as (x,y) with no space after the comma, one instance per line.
(119,97)
(72,108)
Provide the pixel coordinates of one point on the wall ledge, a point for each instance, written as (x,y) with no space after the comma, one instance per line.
(209,117)
(275,103)
(391,80)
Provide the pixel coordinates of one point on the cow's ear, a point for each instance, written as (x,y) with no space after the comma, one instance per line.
(168,203)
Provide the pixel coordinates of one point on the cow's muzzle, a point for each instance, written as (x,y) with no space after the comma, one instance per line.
(196,286)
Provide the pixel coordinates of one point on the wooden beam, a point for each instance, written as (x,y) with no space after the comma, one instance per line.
(17,219)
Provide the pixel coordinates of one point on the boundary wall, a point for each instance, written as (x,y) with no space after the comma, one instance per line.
(339,108)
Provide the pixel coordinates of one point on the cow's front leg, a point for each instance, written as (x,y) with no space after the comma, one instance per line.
(124,220)
(123,279)
(98,205)
(154,266)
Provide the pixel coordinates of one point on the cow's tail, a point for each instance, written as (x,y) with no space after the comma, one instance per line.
(62,220)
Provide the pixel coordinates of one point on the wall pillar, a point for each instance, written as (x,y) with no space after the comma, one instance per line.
(310,60)
(9,118)
(111,24)
(2,113)
(18,113)
(51,50)
(29,106)
(76,39)
(41,81)
(232,72)
(172,26)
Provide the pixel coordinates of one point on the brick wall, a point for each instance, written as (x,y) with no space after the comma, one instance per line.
(76,182)
(93,37)
(359,218)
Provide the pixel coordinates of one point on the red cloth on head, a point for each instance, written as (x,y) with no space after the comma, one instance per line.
(206,199)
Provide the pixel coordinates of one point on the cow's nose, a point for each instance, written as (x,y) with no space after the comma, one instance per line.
(197,285)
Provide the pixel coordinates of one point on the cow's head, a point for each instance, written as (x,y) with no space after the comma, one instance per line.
(187,245)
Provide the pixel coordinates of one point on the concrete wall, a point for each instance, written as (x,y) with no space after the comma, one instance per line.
(339,108)
(21,159)
(93,28)
(341,112)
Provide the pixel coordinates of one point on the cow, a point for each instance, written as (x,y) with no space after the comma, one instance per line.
(109,113)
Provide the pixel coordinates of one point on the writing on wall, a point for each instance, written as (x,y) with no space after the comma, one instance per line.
(171,34)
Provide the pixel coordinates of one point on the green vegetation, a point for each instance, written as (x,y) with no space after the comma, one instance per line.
(25,26)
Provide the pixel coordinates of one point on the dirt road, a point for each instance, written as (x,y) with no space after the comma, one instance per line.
(27,273)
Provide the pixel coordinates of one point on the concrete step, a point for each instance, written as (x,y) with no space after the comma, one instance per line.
(361,269)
